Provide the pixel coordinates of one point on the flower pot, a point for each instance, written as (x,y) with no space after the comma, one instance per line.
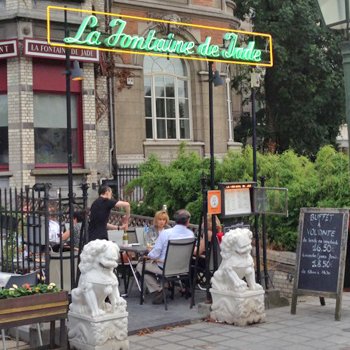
(33,309)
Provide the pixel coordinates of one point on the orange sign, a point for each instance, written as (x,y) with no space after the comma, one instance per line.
(214,202)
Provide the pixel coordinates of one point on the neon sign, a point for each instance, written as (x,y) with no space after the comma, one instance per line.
(234,46)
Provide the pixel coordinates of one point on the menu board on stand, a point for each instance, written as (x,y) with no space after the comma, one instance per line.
(321,255)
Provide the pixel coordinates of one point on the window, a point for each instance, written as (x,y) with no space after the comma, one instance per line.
(50,128)
(4,139)
(50,116)
(167,103)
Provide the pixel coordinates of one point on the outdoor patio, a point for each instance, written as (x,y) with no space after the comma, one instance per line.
(142,318)
(154,316)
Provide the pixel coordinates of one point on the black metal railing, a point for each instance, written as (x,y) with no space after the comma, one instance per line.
(124,174)
(25,218)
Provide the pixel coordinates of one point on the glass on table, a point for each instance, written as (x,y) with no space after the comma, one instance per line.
(150,237)
(153,236)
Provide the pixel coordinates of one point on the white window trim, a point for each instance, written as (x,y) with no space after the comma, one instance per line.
(187,78)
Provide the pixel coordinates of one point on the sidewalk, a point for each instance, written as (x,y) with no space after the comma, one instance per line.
(313,327)
(149,316)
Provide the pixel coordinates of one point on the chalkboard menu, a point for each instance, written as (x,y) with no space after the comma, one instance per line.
(321,252)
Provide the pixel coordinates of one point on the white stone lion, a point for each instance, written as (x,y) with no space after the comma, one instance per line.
(237,263)
(98,280)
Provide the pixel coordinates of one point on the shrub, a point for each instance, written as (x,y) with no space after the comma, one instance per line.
(322,183)
(178,184)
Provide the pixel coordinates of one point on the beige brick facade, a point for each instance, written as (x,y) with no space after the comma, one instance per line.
(130,111)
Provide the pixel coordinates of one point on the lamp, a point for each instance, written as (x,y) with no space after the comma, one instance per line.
(217,80)
(77,72)
(336,15)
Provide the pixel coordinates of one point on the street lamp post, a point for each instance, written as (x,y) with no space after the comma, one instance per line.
(255,83)
(75,74)
(214,80)
(336,15)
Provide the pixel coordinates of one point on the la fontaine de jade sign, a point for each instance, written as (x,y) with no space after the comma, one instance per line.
(234,46)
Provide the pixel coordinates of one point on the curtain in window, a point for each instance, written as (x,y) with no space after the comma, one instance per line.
(50,128)
(4,140)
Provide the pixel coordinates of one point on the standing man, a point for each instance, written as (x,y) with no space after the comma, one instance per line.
(99,214)
(157,254)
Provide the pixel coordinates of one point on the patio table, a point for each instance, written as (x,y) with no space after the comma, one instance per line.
(139,251)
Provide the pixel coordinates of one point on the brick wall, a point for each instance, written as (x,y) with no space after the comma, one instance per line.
(281,267)
(89,121)
(21,122)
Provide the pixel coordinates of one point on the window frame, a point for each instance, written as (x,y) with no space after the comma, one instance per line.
(152,76)
(58,87)
(3,91)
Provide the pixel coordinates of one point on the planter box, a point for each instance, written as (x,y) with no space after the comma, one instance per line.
(33,309)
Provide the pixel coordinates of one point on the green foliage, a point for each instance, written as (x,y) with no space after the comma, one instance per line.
(21,291)
(303,92)
(236,166)
(178,185)
(322,183)
(333,178)
(296,173)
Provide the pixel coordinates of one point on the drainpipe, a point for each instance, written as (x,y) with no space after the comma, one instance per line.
(229,110)
(112,159)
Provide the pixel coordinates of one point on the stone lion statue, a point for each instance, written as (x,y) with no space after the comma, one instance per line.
(98,280)
(237,263)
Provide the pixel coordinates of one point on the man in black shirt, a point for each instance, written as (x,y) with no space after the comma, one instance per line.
(99,214)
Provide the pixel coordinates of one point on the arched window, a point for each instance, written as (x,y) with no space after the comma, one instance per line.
(167,101)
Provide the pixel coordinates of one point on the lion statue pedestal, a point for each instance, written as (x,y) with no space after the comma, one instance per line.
(237,301)
(93,323)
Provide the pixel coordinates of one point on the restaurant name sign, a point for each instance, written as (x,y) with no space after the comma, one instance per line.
(8,48)
(223,44)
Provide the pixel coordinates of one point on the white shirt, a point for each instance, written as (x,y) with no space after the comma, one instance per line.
(54,232)
(177,232)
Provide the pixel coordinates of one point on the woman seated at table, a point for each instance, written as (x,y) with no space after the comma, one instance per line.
(201,281)
(160,222)
(201,250)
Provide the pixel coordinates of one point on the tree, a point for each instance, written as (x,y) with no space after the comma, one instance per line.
(304,93)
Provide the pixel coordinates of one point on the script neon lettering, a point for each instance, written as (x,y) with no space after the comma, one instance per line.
(113,39)
(248,53)
(87,34)
(88,22)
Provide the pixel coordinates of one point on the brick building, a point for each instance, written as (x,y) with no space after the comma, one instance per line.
(143,114)
(127,106)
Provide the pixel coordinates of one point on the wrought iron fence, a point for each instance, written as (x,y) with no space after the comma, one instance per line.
(25,218)
(124,174)
(25,243)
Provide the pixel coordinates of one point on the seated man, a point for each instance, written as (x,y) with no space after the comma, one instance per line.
(157,254)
